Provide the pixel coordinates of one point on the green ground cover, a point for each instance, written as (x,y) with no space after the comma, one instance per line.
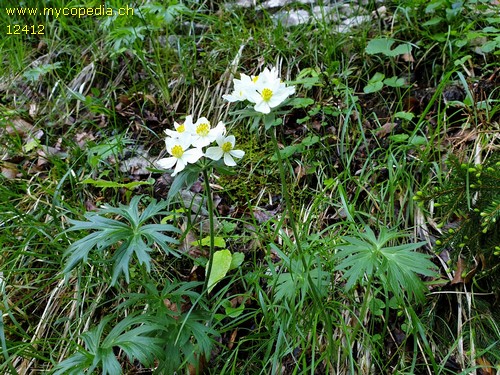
(352,231)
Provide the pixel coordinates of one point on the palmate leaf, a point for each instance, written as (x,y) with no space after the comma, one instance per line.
(125,238)
(397,267)
(137,343)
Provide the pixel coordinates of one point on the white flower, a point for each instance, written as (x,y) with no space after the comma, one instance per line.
(203,134)
(181,129)
(271,91)
(269,75)
(266,90)
(242,88)
(220,129)
(225,148)
(181,154)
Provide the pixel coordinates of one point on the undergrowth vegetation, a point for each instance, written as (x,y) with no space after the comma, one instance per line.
(326,200)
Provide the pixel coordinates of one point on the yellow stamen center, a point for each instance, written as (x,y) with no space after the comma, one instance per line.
(181,128)
(254,79)
(177,151)
(267,94)
(203,129)
(227,146)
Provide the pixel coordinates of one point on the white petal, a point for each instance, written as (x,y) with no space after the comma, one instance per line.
(192,155)
(231,139)
(262,107)
(220,129)
(179,167)
(200,142)
(188,121)
(220,139)
(237,153)
(254,96)
(172,133)
(202,120)
(228,160)
(214,153)
(233,98)
(166,163)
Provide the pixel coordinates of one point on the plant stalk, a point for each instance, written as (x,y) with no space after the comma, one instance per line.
(210,208)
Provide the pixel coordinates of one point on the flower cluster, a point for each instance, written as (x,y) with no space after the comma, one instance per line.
(186,142)
(265,91)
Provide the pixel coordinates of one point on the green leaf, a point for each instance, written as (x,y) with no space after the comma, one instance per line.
(113,184)
(377,306)
(399,138)
(287,151)
(205,241)
(184,179)
(404,115)
(310,140)
(433,21)
(121,238)
(394,81)
(490,46)
(35,73)
(221,264)
(137,343)
(374,84)
(384,46)
(418,140)
(234,312)
(270,121)
(462,60)
(366,257)
(301,102)
(237,260)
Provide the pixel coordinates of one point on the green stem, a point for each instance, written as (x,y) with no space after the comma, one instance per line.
(293,224)
(364,308)
(210,208)
(285,193)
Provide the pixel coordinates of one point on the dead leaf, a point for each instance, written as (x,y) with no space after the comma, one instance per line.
(232,339)
(20,127)
(408,57)
(300,171)
(457,277)
(487,368)
(9,170)
(385,129)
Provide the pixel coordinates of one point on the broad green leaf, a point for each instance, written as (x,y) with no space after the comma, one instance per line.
(205,241)
(462,60)
(404,115)
(310,140)
(377,306)
(399,138)
(374,84)
(301,102)
(236,260)
(233,312)
(221,263)
(394,81)
(287,151)
(490,46)
(384,46)
(418,140)
(433,21)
